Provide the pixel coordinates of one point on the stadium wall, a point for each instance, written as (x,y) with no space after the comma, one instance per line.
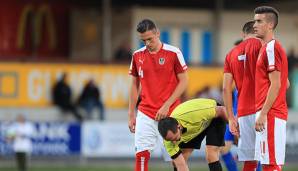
(198,24)
(101,140)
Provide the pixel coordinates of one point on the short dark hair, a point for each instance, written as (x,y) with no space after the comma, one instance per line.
(268,10)
(145,25)
(167,124)
(248,27)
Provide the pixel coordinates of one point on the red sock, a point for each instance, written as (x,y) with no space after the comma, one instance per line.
(142,159)
(272,167)
(250,165)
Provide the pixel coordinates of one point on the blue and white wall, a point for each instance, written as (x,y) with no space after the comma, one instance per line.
(185,29)
(192,31)
(195,43)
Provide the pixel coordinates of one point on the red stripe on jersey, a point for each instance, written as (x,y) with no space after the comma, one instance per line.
(270,139)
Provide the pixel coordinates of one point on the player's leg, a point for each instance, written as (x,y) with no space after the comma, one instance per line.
(271,144)
(145,140)
(259,167)
(246,143)
(214,141)
(226,154)
(195,143)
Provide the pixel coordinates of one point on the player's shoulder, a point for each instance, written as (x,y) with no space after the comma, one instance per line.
(273,45)
(170,48)
(234,51)
(276,46)
(142,49)
(253,43)
(253,40)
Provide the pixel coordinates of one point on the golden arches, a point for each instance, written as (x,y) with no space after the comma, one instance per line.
(22,26)
(42,11)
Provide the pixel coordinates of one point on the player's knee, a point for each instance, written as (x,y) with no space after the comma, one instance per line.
(212,153)
(225,149)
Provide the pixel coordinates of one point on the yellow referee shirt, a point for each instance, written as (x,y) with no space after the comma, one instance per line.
(194,115)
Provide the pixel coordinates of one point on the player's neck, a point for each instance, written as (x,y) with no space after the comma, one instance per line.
(156,50)
(268,37)
(248,36)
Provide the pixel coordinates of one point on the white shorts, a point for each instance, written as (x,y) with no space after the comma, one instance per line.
(246,142)
(271,142)
(147,136)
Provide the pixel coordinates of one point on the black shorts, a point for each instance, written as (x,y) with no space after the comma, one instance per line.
(214,134)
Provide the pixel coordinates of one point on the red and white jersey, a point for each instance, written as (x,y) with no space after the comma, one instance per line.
(158,76)
(272,57)
(241,63)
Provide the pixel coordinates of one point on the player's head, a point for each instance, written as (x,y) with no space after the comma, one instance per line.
(169,129)
(266,19)
(248,28)
(149,34)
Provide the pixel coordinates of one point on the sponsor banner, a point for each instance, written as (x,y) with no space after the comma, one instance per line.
(30,85)
(115,140)
(104,139)
(107,139)
(49,138)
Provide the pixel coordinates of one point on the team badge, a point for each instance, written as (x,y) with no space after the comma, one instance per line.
(161,61)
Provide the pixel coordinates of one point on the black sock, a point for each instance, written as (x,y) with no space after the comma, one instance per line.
(215,166)
(175,168)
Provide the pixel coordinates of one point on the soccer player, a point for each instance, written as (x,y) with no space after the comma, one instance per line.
(271,85)
(188,125)
(160,70)
(240,64)
(230,139)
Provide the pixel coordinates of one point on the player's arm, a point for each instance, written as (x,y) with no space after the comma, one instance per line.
(275,85)
(133,97)
(228,101)
(180,163)
(180,88)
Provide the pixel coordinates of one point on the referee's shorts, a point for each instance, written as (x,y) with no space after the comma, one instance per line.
(214,134)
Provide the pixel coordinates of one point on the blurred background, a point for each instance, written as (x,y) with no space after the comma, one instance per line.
(64,66)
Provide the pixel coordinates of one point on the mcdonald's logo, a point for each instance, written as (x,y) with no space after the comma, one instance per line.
(37,16)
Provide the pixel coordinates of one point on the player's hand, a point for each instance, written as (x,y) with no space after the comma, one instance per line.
(261,122)
(132,124)
(162,112)
(234,126)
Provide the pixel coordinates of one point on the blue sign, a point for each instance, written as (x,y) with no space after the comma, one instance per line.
(49,138)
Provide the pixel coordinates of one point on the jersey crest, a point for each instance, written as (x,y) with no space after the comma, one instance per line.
(161,61)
